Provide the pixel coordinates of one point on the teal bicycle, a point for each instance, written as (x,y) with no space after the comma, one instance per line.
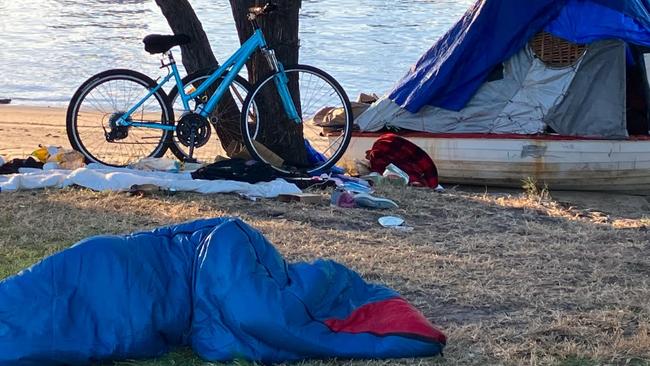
(120,116)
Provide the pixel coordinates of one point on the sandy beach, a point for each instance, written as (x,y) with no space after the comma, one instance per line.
(23,128)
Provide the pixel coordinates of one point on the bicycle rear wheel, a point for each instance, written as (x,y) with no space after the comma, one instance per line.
(101,101)
(324,110)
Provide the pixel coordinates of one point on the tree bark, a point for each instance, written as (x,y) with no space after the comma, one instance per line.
(198,56)
(182,19)
(283,136)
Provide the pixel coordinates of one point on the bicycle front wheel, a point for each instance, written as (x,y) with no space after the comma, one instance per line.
(326,121)
(97,105)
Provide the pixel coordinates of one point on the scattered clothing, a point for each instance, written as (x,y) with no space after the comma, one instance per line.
(312,183)
(342,197)
(102,178)
(332,181)
(13,166)
(407,156)
(369,201)
(216,285)
(341,179)
(357,188)
(249,171)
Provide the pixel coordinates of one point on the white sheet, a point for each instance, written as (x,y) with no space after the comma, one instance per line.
(101,178)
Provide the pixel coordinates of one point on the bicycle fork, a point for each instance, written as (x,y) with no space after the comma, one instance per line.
(282,84)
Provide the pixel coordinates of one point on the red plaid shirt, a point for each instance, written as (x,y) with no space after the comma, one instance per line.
(404,154)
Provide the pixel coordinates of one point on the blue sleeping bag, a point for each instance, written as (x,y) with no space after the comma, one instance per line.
(216,285)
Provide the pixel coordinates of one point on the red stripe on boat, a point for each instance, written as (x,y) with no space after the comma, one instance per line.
(493,136)
(389,317)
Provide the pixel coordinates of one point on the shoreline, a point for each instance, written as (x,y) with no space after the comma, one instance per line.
(33,103)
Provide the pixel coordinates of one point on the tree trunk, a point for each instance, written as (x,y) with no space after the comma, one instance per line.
(182,19)
(197,56)
(282,136)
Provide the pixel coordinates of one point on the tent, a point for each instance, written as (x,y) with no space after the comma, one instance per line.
(572,67)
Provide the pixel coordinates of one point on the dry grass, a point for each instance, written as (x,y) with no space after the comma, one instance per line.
(511,278)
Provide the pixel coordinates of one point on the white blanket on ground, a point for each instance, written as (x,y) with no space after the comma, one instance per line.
(102,178)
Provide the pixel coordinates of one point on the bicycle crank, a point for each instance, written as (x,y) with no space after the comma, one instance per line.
(193,131)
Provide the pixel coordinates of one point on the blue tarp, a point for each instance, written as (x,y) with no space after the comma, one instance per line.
(216,285)
(637,9)
(583,22)
(492,31)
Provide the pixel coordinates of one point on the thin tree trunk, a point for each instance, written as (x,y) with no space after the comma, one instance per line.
(197,56)
(283,136)
(182,19)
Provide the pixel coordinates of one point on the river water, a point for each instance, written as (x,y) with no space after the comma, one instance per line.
(49,47)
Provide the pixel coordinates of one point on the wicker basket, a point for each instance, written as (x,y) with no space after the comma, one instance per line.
(556,52)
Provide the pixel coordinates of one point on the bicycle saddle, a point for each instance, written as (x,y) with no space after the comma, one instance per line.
(157,43)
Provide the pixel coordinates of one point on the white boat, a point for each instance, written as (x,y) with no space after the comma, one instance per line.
(562,163)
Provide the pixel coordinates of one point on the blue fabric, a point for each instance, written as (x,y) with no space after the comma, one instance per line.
(449,74)
(583,22)
(637,9)
(216,284)
(316,157)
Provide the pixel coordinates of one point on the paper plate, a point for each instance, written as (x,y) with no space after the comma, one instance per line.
(390,221)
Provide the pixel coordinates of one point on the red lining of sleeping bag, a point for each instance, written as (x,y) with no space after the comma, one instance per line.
(389,317)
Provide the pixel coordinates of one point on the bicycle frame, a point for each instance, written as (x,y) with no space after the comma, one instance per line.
(230,69)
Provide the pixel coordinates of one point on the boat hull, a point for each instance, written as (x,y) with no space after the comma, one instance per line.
(507,161)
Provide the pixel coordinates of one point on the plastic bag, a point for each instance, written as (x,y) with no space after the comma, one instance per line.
(70,159)
(395,175)
(45,154)
(59,157)
(157,165)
